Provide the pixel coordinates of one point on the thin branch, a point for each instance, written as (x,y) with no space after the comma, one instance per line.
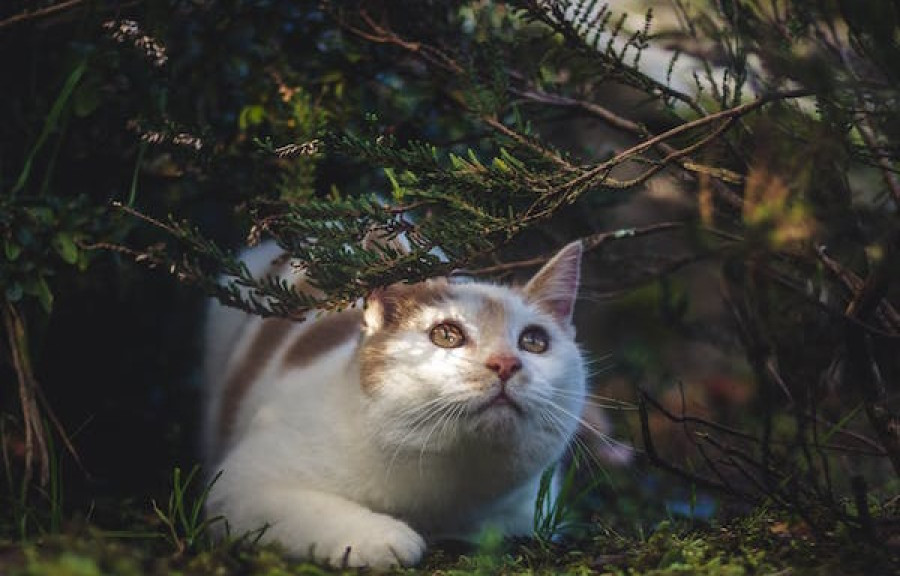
(625,125)
(31,416)
(588,243)
(685,419)
(728,114)
(656,460)
(888,315)
(525,141)
(888,172)
(39,13)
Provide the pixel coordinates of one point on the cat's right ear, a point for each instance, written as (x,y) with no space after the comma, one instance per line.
(555,286)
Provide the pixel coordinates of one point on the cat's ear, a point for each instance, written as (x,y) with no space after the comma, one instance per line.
(555,286)
(376,311)
(392,305)
(379,302)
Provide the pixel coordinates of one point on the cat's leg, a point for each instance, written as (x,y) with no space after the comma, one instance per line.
(324,527)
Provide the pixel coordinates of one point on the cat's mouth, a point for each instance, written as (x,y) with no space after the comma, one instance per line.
(500,401)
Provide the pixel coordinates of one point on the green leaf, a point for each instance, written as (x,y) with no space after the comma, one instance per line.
(396,188)
(86,99)
(251,116)
(66,247)
(39,288)
(41,215)
(45,296)
(12,250)
(51,122)
(83,260)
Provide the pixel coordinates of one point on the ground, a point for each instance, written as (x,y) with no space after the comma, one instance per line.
(760,543)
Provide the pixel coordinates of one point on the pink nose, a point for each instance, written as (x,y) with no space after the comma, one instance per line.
(504,365)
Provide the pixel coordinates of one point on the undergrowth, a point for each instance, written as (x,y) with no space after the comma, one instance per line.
(176,538)
(760,543)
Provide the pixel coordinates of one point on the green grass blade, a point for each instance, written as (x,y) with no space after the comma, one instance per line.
(51,122)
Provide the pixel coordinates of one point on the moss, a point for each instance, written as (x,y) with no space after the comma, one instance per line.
(760,543)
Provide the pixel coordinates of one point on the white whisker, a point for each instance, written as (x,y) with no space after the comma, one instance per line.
(603,436)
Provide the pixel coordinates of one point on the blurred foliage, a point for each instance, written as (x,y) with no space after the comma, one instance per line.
(730,166)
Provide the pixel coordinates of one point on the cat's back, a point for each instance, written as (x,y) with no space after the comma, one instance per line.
(246,355)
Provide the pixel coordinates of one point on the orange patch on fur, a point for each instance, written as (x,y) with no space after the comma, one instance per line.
(323,335)
(266,340)
(399,303)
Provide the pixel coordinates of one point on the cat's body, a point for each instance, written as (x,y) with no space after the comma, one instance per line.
(356,435)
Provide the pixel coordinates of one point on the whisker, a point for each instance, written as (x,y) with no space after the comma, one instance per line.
(591,396)
(431,431)
(605,438)
(593,372)
(421,415)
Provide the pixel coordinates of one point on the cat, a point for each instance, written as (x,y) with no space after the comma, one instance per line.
(432,412)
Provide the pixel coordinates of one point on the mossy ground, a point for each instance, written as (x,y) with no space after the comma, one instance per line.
(761,543)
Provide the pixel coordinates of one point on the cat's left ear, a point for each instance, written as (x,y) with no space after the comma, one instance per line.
(555,286)
(376,310)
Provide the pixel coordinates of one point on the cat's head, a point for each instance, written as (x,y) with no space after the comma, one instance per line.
(445,364)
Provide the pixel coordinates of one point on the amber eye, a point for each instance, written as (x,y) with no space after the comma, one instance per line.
(447,335)
(534,339)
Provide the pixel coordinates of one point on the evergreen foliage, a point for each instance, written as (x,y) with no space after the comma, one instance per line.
(787,101)
(172,133)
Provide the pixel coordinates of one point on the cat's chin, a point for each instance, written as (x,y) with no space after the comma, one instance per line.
(499,414)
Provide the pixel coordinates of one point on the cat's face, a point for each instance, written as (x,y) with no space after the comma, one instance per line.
(445,364)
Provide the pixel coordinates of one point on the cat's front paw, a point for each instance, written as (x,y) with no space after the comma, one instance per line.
(378,542)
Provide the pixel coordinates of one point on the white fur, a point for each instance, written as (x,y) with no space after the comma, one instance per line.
(361,478)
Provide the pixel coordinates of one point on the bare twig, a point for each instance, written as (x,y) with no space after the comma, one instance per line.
(625,125)
(588,243)
(864,368)
(887,170)
(729,114)
(886,313)
(685,418)
(39,13)
(653,455)
(35,442)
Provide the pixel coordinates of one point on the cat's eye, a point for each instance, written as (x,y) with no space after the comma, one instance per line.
(534,339)
(447,335)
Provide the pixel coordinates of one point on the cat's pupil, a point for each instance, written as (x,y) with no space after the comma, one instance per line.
(447,335)
(534,339)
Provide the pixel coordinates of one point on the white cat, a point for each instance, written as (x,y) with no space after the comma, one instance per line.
(358,435)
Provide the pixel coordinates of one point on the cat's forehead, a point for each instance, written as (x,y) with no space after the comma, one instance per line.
(476,303)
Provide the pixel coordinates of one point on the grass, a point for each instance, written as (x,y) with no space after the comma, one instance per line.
(176,539)
(758,544)
(185,526)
